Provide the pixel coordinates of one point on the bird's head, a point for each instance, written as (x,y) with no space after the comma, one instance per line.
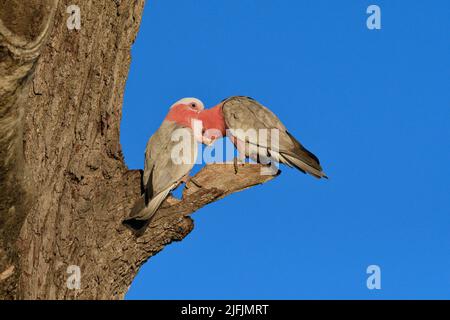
(188,104)
(185,111)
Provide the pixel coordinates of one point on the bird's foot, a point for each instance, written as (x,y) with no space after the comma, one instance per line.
(187,179)
(270,170)
(236,162)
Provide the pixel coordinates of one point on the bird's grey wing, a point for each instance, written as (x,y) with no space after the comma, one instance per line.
(243,114)
(175,157)
(153,148)
(162,173)
(157,150)
(169,167)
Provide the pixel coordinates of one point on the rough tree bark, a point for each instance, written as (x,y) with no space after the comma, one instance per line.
(64,187)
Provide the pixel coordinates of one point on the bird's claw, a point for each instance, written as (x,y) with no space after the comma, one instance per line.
(197,184)
(191,179)
(236,162)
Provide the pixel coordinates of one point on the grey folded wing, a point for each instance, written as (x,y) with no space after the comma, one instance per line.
(244,114)
(170,155)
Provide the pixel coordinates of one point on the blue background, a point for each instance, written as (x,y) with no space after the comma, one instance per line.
(373,105)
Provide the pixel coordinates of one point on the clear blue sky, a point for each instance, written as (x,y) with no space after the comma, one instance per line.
(374,106)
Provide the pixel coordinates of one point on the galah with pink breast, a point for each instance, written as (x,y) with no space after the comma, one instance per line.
(238,115)
(163,173)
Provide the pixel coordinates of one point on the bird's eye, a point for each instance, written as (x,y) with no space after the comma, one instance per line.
(193,105)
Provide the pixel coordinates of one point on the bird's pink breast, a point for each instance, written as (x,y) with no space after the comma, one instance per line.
(213,119)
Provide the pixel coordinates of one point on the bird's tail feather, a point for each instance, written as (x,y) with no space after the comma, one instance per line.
(304,166)
(141,214)
(147,212)
(303,159)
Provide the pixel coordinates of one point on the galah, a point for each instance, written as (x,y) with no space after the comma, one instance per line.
(161,173)
(236,115)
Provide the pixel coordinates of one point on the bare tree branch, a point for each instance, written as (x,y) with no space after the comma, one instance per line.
(215,182)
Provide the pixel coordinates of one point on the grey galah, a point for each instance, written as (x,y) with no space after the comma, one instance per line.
(237,115)
(169,157)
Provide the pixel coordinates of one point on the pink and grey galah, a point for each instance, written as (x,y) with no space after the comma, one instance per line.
(161,173)
(234,117)
(238,115)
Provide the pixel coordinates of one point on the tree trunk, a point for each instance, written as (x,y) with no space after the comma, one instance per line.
(64,187)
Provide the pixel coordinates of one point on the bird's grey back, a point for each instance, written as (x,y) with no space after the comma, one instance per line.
(246,113)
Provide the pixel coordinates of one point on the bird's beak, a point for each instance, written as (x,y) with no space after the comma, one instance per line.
(208,141)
